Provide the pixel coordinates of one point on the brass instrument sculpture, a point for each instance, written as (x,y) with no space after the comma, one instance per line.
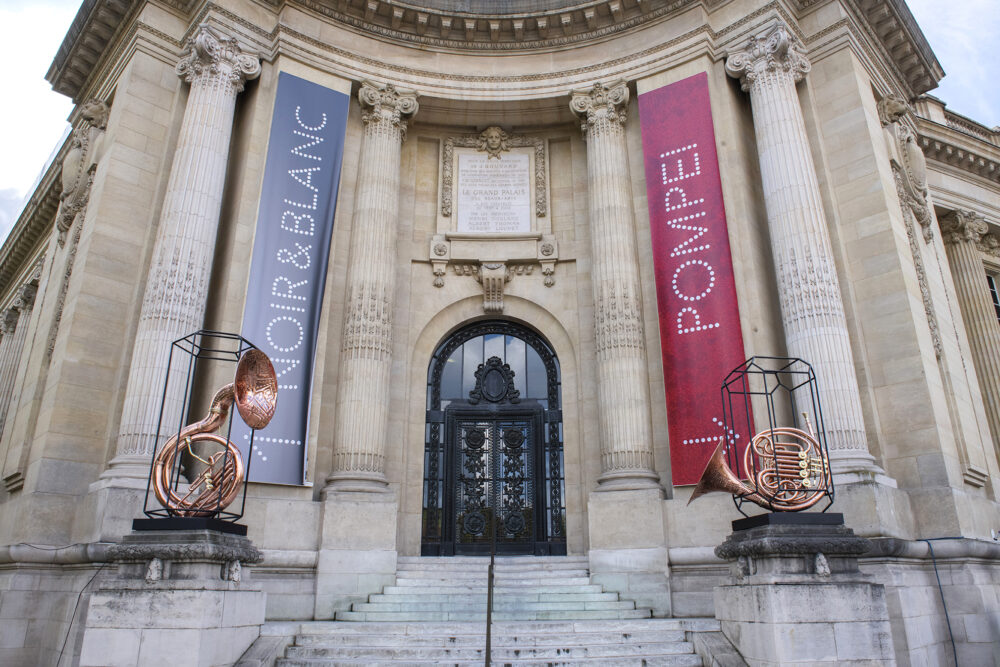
(255,393)
(792,471)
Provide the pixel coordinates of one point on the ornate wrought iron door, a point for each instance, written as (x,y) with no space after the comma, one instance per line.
(493,453)
(495,464)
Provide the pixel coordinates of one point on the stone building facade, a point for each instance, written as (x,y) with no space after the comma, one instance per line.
(830,149)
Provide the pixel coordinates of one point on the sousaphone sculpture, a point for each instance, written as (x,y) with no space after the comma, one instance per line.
(255,392)
(789,468)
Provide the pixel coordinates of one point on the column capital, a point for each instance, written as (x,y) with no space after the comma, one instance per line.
(776,51)
(961,225)
(386,106)
(214,57)
(600,104)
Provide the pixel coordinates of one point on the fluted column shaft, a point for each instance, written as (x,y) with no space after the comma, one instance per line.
(962,231)
(14,326)
(812,309)
(366,357)
(177,285)
(623,384)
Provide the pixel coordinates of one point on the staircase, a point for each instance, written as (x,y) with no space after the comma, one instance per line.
(545,611)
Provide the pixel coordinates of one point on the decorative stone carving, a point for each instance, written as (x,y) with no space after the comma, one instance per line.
(918,265)
(600,106)
(176,291)
(959,226)
(217,60)
(79,164)
(777,54)
(493,141)
(366,347)
(463,253)
(385,108)
(493,276)
(623,382)
(908,163)
(812,309)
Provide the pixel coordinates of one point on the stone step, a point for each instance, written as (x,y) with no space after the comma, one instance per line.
(474,574)
(525,615)
(481,566)
(481,590)
(478,640)
(528,596)
(499,653)
(689,660)
(329,628)
(499,605)
(438,580)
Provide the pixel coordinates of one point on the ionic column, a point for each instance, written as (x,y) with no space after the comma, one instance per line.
(366,357)
(14,326)
(173,304)
(962,231)
(812,311)
(623,386)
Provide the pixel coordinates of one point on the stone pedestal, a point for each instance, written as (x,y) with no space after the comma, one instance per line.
(357,555)
(797,596)
(178,598)
(628,546)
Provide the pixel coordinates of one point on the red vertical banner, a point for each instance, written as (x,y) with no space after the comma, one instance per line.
(700,336)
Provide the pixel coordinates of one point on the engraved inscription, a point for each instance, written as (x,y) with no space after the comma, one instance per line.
(494,193)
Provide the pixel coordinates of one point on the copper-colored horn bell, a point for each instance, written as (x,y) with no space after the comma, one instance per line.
(719,477)
(793,471)
(255,392)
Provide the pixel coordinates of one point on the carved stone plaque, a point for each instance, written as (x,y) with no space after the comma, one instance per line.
(494,193)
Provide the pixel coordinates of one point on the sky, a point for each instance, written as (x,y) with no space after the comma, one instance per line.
(965,39)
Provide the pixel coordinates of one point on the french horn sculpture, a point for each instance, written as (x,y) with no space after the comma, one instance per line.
(255,392)
(792,471)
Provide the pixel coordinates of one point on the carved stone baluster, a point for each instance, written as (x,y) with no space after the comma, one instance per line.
(623,386)
(811,308)
(177,286)
(363,398)
(962,231)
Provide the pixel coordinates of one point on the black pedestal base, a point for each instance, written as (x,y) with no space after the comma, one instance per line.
(790,519)
(189,523)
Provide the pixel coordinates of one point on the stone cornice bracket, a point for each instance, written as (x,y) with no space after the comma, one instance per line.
(600,106)
(961,225)
(385,107)
(776,52)
(214,58)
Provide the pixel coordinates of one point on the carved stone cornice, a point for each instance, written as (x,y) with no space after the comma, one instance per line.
(775,53)
(213,58)
(601,106)
(959,226)
(385,107)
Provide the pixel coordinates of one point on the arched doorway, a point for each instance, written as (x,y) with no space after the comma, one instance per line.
(493,444)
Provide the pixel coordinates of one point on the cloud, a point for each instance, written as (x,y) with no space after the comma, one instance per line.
(11,203)
(964,36)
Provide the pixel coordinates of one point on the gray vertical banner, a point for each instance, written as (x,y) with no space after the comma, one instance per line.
(288,269)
